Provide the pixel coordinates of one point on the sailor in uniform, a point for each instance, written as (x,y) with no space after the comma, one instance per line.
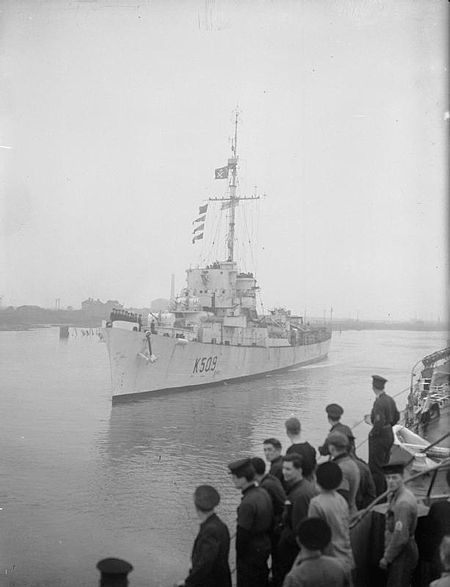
(384,415)
(212,544)
(334,414)
(400,549)
(278,496)
(299,493)
(272,451)
(254,523)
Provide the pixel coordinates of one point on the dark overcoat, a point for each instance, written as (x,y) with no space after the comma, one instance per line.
(210,555)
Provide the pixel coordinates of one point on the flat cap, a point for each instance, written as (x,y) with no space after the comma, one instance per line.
(334,410)
(393,468)
(338,439)
(114,568)
(314,533)
(329,475)
(236,466)
(206,497)
(378,381)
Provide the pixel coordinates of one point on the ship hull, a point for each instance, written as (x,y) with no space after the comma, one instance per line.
(177,364)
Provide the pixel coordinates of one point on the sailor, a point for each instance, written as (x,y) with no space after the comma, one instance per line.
(114,572)
(437,525)
(212,545)
(272,451)
(338,445)
(299,492)
(254,522)
(384,415)
(366,491)
(444,553)
(400,549)
(274,488)
(312,568)
(334,414)
(308,452)
(330,506)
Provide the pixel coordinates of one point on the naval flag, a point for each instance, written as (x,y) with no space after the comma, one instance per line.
(197,237)
(221,173)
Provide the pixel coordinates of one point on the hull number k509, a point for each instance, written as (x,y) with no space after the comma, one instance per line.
(204,364)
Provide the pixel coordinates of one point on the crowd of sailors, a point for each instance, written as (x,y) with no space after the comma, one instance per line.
(294,517)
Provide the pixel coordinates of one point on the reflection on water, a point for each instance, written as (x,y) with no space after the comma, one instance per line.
(83,479)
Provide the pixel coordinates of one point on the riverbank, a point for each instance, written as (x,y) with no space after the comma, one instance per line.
(31,317)
(413,325)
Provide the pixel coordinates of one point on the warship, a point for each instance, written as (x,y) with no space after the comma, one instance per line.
(428,405)
(212,332)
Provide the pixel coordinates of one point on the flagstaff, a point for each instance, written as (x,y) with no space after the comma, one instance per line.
(232,199)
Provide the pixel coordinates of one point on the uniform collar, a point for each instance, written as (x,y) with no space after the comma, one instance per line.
(247,489)
(340,457)
(295,484)
(208,518)
(396,494)
(304,558)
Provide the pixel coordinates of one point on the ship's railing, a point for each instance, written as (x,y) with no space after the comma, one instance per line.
(429,360)
(188,333)
(174,332)
(313,337)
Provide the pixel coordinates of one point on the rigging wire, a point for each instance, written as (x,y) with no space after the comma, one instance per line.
(212,244)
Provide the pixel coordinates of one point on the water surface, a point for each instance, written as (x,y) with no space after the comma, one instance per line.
(82,480)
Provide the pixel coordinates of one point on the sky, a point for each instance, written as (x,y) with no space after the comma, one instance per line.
(114,115)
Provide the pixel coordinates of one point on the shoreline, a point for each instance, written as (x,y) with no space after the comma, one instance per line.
(96,323)
(32,326)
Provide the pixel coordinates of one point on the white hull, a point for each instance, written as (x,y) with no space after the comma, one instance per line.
(181,364)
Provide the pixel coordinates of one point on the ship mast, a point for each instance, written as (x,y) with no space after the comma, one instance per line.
(232,164)
(232,198)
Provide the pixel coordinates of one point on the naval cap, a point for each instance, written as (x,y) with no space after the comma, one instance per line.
(393,468)
(114,568)
(378,381)
(206,497)
(334,410)
(237,466)
(314,533)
